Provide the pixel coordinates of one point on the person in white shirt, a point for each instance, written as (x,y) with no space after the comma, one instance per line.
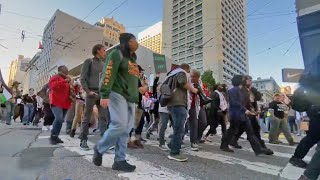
(39,112)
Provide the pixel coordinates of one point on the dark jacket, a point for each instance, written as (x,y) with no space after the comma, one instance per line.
(155,96)
(237,105)
(215,103)
(90,74)
(246,97)
(44,94)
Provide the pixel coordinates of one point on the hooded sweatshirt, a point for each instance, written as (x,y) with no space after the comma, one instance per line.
(120,75)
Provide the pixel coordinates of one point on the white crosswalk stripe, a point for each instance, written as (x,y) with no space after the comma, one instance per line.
(144,171)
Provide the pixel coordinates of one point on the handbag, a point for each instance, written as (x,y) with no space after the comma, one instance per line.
(304,126)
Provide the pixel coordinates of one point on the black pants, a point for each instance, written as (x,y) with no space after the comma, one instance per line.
(139,129)
(38,116)
(48,115)
(256,130)
(211,122)
(292,123)
(313,169)
(218,119)
(235,127)
(313,135)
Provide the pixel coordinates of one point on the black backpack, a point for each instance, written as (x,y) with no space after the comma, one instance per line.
(299,100)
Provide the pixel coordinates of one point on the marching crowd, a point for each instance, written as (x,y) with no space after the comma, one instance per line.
(112,95)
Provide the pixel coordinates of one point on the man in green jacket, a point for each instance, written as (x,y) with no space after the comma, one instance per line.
(119,92)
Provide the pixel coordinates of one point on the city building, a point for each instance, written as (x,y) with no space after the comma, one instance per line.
(207,35)
(152,37)
(111,29)
(286,90)
(31,76)
(66,41)
(309,32)
(18,70)
(267,87)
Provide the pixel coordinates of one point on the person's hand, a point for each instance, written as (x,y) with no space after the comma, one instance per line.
(68,79)
(248,112)
(144,89)
(195,91)
(91,93)
(158,75)
(104,103)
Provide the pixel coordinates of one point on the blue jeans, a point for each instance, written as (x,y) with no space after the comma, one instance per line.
(179,115)
(59,115)
(28,113)
(164,119)
(262,125)
(121,122)
(267,122)
(9,111)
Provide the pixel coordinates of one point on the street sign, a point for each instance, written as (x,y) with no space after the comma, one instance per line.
(291,75)
(160,64)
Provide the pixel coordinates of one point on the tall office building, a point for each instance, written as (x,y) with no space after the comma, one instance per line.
(111,28)
(67,41)
(18,70)
(208,35)
(152,37)
(309,31)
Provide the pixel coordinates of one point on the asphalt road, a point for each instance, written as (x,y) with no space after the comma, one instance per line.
(25,154)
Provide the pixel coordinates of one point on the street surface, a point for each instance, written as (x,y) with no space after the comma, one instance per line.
(25,154)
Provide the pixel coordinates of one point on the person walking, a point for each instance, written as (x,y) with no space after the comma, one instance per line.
(79,108)
(313,170)
(39,112)
(3,101)
(119,93)
(278,123)
(60,96)
(197,114)
(307,99)
(89,79)
(48,116)
(10,104)
(28,102)
(218,109)
(238,113)
(178,106)
(292,121)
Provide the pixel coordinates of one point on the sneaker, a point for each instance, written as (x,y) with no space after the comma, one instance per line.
(293,143)
(53,140)
(84,146)
(164,147)
(143,140)
(274,142)
(148,135)
(8,123)
(123,166)
(44,128)
(262,151)
(59,140)
(132,145)
(227,149)
(236,145)
(207,139)
(268,152)
(72,133)
(194,147)
(298,162)
(97,157)
(202,141)
(178,158)
(138,143)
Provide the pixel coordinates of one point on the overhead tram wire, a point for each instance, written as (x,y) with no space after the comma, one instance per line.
(270,48)
(26,16)
(291,46)
(259,8)
(116,8)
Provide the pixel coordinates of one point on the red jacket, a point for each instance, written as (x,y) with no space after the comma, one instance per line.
(59,92)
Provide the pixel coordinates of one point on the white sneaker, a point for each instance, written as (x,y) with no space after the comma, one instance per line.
(194,147)
(164,147)
(207,139)
(45,128)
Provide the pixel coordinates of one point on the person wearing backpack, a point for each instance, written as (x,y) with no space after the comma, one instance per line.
(89,79)
(174,95)
(119,92)
(307,99)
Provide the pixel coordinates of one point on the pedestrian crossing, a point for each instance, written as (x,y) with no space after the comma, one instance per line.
(266,166)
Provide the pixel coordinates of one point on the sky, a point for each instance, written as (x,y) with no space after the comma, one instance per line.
(272,30)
